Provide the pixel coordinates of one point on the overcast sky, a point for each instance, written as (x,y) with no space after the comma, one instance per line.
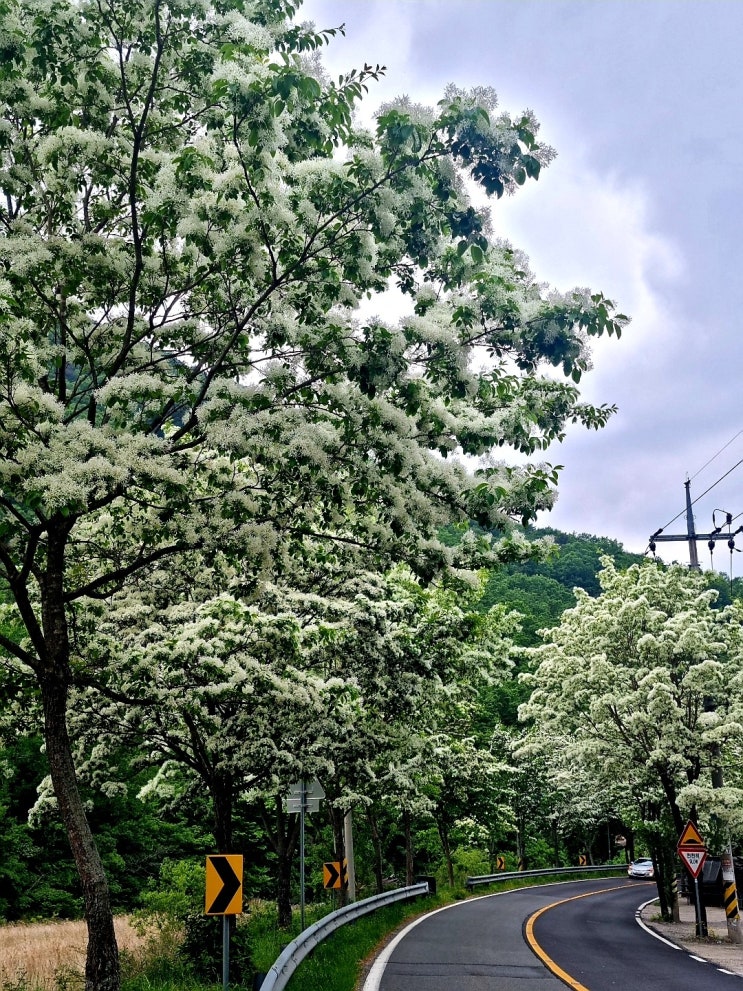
(643,101)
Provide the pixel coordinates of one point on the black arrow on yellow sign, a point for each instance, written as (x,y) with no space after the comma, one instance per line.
(224,882)
(335,874)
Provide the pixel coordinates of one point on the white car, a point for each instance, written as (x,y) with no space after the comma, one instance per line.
(640,868)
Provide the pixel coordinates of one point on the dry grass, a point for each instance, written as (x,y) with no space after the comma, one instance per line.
(36,954)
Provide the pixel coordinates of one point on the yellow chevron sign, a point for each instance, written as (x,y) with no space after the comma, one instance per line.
(335,874)
(224,884)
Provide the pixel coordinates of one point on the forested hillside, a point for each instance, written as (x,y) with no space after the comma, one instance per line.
(542,590)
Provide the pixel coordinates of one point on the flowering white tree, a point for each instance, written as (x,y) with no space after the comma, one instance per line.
(188,217)
(419,682)
(640,687)
(244,698)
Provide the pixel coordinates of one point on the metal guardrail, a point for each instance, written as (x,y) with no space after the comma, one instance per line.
(283,968)
(472,882)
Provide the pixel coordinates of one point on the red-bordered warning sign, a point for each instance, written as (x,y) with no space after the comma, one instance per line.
(694,859)
(691,837)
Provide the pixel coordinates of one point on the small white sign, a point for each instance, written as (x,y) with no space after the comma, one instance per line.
(694,859)
(312,789)
(295,805)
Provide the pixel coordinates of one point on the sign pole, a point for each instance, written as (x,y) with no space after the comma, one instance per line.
(693,852)
(225,952)
(224,896)
(701,916)
(303,798)
(302,809)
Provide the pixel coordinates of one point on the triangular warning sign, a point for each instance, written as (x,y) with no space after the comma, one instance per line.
(694,860)
(691,837)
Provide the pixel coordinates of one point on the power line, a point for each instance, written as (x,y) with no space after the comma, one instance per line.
(713,458)
(701,495)
(717,482)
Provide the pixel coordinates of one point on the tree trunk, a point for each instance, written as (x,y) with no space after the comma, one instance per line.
(102,961)
(284,887)
(283,832)
(102,972)
(336,818)
(520,849)
(556,842)
(377,846)
(446,850)
(222,792)
(409,871)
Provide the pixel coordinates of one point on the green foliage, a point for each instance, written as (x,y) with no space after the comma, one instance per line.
(467,861)
(577,561)
(177,892)
(201,949)
(539,853)
(540,600)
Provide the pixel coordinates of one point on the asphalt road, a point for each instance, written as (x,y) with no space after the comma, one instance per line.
(598,943)
(480,945)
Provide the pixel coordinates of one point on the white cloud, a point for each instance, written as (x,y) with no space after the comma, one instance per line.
(640,203)
(581,228)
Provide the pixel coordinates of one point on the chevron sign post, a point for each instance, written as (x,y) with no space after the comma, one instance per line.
(224,884)
(224,896)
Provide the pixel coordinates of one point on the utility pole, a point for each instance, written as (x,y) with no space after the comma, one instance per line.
(730,892)
(691,536)
(351,864)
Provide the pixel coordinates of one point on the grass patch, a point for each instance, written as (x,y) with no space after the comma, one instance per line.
(50,956)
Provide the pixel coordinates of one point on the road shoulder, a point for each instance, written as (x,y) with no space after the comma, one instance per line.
(716,948)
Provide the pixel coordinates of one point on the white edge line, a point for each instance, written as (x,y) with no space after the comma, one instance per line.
(653,933)
(374,977)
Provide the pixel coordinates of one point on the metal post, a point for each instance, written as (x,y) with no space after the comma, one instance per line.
(302,810)
(700,913)
(730,893)
(348,844)
(225,952)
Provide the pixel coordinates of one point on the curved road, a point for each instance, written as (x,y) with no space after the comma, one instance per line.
(597,942)
(593,942)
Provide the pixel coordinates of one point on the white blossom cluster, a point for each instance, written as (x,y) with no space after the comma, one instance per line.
(639,691)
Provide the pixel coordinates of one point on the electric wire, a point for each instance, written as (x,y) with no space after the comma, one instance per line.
(730,517)
(737,465)
(699,472)
(702,494)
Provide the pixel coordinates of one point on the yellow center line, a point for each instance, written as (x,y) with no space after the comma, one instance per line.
(543,956)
